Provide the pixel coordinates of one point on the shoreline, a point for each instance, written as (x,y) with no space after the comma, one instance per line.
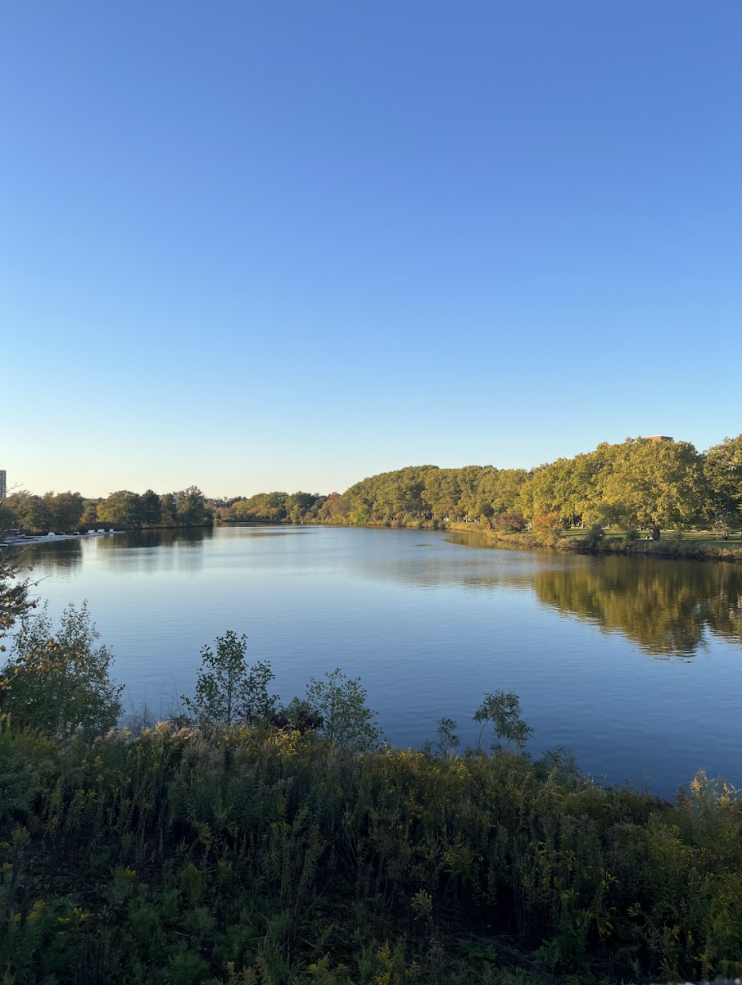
(669,550)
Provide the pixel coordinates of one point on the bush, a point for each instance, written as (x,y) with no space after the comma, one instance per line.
(511,522)
(228,691)
(58,681)
(340,703)
(594,536)
(547,527)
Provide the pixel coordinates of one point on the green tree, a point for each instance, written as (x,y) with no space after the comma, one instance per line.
(502,710)
(150,509)
(341,703)
(168,510)
(15,598)
(64,510)
(360,515)
(228,690)
(90,511)
(655,484)
(265,507)
(722,466)
(122,508)
(7,517)
(59,681)
(31,512)
(191,508)
(724,523)
(299,507)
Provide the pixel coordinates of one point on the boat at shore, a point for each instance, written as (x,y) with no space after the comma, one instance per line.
(14,539)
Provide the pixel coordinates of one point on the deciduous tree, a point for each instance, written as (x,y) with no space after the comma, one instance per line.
(655,484)
(228,690)
(59,680)
(340,702)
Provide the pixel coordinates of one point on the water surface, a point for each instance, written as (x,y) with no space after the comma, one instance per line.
(634,663)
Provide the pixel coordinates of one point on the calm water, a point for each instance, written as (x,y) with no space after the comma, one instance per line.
(634,664)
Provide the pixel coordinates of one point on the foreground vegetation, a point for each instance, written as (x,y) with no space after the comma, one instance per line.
(260,855)
(251,844)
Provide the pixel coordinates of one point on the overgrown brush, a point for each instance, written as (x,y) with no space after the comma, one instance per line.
(174,857)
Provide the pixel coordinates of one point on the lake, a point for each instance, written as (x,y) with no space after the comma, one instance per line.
(635,664)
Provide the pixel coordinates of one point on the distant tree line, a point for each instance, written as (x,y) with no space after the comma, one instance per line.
(275,507)
(639,484)
(71,511)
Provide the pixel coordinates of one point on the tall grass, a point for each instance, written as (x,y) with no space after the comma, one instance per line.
(267,856)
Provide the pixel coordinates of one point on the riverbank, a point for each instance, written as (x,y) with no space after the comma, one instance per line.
(672,547)
(270,856)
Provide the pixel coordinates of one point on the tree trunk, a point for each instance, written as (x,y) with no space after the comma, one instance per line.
(655,533)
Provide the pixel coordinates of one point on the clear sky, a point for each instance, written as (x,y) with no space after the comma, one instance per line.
(287,245)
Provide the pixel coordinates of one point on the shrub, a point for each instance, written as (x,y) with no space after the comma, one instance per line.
(59,681)
(502,709)
(228,691)
(547,527)
(594,536)
(340,703)
(511,522)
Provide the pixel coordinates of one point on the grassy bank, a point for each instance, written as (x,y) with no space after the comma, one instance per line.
(266,857)
(696,546)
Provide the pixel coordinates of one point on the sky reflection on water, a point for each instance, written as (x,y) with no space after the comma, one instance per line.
(632,662)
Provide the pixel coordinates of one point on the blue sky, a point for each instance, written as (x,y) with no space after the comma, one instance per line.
(285,246)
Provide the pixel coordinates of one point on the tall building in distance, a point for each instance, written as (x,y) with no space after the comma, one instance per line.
(3,483)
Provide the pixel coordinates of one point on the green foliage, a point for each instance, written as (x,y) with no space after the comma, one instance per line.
(228,690)
(253,856)
(59,681)
(15,597)
(594,537)
(341,704)
(722,466)
(724,523)
(29,512)
(264,507)
(64,510)
(150,509)
(654,484)
(191,507)
(448,741)
(639,483)
(502,710)
(122,508)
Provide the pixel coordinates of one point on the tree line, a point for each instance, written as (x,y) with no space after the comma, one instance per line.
(68,511)
(639,484)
